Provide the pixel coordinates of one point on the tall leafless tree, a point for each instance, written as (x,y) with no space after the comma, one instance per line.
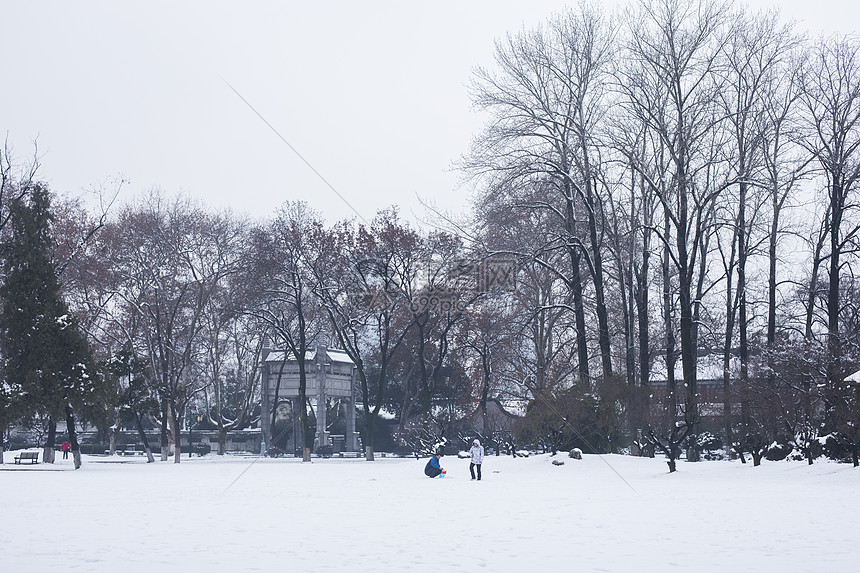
(671,83)
(548,98)
(831,94)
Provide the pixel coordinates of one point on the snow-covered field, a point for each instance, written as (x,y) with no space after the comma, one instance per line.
(239,513)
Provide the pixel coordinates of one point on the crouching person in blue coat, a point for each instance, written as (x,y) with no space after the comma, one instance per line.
(433,467)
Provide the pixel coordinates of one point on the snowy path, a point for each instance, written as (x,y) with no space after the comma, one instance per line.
(350,515)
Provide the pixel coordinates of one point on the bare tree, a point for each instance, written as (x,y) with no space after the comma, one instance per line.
(361,285)
(15,182)
(175,256)
(548,100)
(757,51)
(232,342)
(786,165)
(285,262)
(670,82)
(831,95)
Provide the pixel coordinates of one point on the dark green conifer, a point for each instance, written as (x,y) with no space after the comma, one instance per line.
(45,354)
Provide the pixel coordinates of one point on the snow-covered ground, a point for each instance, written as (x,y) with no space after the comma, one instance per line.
(610,513)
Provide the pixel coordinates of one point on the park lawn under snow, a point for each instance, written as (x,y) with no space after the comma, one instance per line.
(610,513)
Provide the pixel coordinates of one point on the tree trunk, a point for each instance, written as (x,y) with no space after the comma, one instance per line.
(142,435)
(688,326)
(113,433)
(276,402)
(73,437)
(371,427)
(625,287)
(727,408)
(771,273)
(727,352)
(48,450)
(642,315)
(576,288)
(485,392)
(671,397)
(688,365)
(165,443)
(307,437)
(579,313)
(222,440)
(743,349)
(640,294)
(834,345)
(813,275)
(177,437)
(603,339)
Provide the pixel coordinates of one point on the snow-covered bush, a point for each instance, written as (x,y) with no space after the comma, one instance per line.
(710,446)
(275,452)
(837,447)
(708,441)
(575,453)
(201,449)
(778,451)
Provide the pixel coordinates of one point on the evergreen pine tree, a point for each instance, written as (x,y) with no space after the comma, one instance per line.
(44,352)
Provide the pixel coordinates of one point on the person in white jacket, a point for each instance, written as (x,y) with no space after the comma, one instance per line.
(477,453)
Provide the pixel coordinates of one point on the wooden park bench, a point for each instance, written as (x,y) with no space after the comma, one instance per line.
(32,456)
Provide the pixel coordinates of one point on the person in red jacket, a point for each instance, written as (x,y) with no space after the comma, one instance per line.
(65,448)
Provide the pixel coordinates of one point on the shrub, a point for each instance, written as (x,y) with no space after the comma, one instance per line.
(588,417)
(778,451)
(402,451)
(275,452)
(94,449)
(708,441)
(707,444)
(837,449)
(22,446)
(201,449)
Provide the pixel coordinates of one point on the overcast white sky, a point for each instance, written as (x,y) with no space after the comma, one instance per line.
(372,94)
